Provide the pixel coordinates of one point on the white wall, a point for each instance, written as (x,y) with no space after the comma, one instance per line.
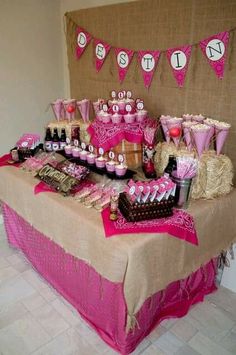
(71,5)
(31,69)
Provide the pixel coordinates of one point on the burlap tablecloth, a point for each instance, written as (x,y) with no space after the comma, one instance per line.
(145,263)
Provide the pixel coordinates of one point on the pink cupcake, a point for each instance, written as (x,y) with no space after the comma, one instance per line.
(110,166)
(83,155)
(100,162)
(120,169)
(68,149)
(116,118)
(141,115)
(76,152)
(130,117)
(106,117)
(91,158)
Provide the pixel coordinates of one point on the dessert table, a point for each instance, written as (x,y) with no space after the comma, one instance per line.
(124,285)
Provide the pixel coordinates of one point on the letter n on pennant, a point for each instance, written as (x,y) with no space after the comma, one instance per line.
(214,49)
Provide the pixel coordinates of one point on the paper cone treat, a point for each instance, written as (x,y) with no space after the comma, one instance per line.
(70,108)
(175,122)
(198,118)
(164,127)
(83,107)
(58,110)
(187,117)
(222,131)
(200,133)
(211,123)
(187,134)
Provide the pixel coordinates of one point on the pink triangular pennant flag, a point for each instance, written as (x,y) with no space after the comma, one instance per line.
(101,50)
(148,61)
(179,59)
(214,49)
(123,60)
(83,38)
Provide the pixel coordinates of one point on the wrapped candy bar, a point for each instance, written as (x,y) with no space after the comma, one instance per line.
(186,167)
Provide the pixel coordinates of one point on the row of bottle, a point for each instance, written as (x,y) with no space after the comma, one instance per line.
(54,142)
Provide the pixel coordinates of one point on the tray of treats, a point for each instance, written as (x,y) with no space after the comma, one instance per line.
(147,200)
(101,164)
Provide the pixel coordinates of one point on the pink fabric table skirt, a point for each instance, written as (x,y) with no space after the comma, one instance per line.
(99,301)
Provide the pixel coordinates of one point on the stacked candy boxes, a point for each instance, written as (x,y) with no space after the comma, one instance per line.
(147,200)
(121,108)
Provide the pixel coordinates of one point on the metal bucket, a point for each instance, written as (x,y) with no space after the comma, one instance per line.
(183,191)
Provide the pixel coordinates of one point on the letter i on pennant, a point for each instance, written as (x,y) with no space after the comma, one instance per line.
(123,60)
(214,49)
(178,59)
(101,50)
(83,38)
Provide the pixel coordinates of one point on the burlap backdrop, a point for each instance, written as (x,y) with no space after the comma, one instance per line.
(162,24)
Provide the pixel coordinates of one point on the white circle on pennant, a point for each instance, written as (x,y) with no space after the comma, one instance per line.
(215,50)
(90,148)
(101,151)
(148,62)
(100,51)
(115,108)
(129,94)
(111,155)
(83,145)
(122,59)
(128,108)
(178,60)
(81,40)
(113,94)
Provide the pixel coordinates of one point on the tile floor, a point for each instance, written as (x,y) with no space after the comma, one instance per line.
(34,319)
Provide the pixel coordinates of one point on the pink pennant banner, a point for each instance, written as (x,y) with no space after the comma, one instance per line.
(179,60)
(123,59)
(101,50)
(83,39)
(148,61)
(214,49)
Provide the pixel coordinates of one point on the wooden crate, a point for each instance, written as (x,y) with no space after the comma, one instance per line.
(132,151)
